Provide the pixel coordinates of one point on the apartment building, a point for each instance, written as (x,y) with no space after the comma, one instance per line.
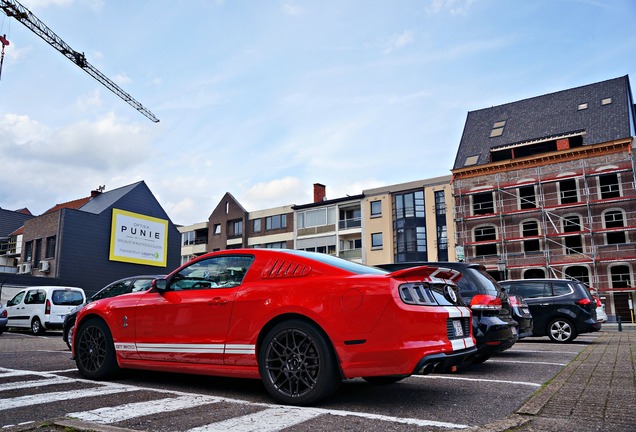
(409,222)
(544,187)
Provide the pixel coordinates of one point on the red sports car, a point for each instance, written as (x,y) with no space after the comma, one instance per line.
(300,321)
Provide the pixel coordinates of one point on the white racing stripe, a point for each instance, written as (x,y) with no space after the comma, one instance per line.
(42,398)
(139,409)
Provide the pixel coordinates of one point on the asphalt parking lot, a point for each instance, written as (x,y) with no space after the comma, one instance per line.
(496,395)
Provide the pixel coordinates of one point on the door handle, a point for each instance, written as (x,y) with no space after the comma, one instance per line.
(217,301)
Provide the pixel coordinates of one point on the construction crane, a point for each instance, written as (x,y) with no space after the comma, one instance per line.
(14,9)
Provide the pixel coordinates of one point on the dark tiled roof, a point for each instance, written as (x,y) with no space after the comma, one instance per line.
(105,200)
(11,220)
(551,115)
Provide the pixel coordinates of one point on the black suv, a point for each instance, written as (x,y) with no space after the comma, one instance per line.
(493,326)
(561,308)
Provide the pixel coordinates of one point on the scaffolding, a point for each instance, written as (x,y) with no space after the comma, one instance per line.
(553,218)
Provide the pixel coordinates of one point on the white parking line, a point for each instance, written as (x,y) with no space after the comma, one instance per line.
(35,383)
(269,420)
(541,351)
(446,377)
(526,362)
(139,409)
(42,398)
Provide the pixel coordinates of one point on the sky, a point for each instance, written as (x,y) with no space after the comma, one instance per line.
(262,99)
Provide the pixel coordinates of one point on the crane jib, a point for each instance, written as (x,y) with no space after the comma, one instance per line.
(14,9)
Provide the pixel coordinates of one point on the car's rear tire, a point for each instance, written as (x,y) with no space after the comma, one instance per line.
(94,350)
(384,380)
(297,364)
(561,330)
(69,336)
(36,326)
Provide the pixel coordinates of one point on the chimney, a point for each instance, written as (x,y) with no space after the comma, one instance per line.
(320,192)
(98,191)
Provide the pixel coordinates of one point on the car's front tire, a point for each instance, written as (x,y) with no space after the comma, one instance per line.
(561,330)
(297,364)
(95,351)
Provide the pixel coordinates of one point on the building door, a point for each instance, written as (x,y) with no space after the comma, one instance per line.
(621,306)
(621,278)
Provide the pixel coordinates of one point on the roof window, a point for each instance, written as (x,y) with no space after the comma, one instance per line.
(497,129)
(606,101)
(471,160)
(583,106)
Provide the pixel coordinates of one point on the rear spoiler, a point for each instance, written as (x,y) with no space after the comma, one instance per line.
(427,272)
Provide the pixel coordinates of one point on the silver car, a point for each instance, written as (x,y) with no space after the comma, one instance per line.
(4,318)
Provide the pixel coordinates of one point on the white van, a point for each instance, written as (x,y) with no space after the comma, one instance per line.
(43,308)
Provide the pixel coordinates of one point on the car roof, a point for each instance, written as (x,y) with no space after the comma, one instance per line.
(541,280)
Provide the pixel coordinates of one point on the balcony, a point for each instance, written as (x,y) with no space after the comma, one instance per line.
(351,254)
(349,223)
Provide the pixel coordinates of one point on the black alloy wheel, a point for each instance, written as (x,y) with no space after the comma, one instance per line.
(297,364)
(94,350)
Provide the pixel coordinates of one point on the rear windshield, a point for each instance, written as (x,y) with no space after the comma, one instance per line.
(475,281)
(67,298)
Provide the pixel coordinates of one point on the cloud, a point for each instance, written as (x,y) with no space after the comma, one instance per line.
(400,41)
(454,7)
(92,99)
(286,190)
(292,9)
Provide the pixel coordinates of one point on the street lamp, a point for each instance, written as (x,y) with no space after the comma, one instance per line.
(501,267)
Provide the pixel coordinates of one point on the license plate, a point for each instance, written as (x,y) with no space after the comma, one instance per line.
(514,330)
(525,311)
(459,330)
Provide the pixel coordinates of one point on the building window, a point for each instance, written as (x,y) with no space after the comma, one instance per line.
(573,243)
(409,227)
(527,197)
(275,245)
(440,222)
(217,229)
(50,247)
(376,208)
(614,219)
(236,228)
(275,222)
(471,160)
(582,106)
(376,240)
(568,192)
(28,251)
(256,225)
(530,229)
(533,273)
(317,217)
(580,273)
(609,186)
(483,234)
(483,203)
(606,101)
(187,238)
(37,251)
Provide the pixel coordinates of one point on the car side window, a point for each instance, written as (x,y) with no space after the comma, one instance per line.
(16,299)
(216,272)
(560,289)
(113,290)
(35,297)
(141,285)
(530,289)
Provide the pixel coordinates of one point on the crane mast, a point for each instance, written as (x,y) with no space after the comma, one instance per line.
(14,9)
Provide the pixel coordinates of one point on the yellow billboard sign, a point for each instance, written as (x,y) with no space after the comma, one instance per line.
(138,239)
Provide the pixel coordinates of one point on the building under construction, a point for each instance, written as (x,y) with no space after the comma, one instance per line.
(544,187)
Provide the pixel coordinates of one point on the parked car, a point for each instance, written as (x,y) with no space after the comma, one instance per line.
(43,308)
(300,321)
(493,326)
(601,315)
(3,318)
(561,308)
(119,287)
(521,314)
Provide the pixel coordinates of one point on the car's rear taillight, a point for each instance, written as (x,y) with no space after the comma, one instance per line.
(47,308)
(485,302)
(583,302)
(514,301)
(598,301)
(4,314)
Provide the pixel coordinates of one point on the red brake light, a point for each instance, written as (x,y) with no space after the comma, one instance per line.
(514,301)
(583,302)
(4,314)
(47,308)
(485,302)
(598,301)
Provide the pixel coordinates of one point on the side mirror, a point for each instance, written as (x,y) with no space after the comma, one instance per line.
(160,284)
